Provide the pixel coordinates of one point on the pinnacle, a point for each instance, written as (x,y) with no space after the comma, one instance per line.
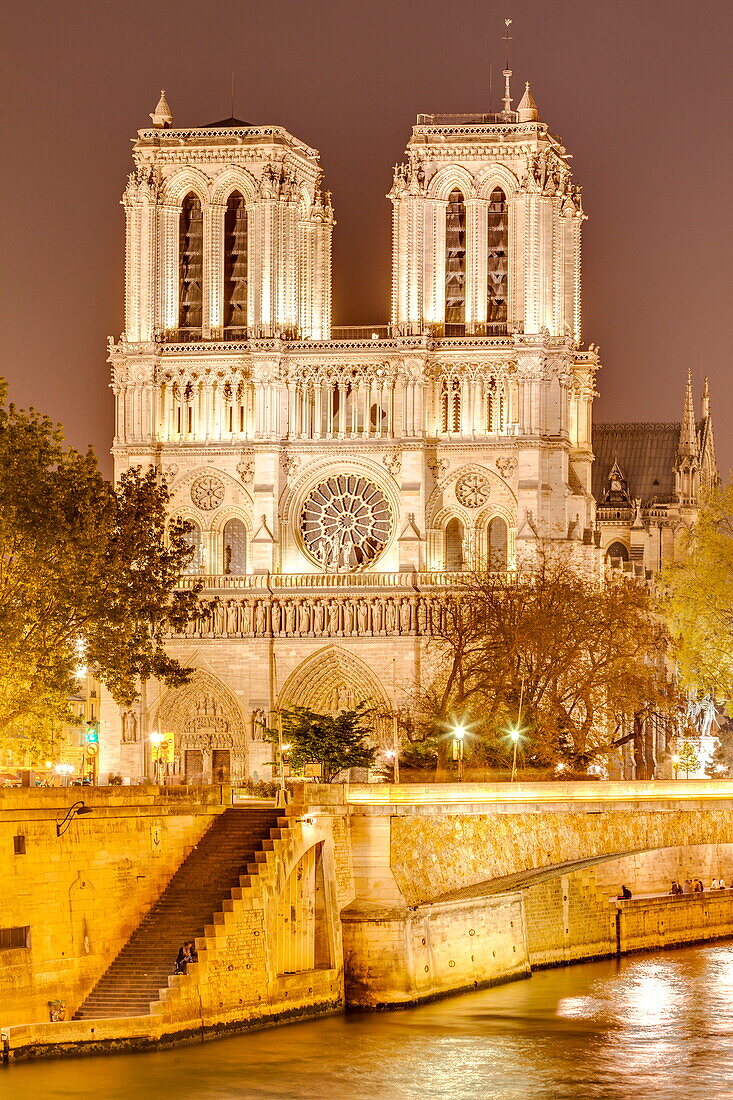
(527,108)
(161,116)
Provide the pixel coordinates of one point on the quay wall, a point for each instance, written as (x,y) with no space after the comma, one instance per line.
(81,895)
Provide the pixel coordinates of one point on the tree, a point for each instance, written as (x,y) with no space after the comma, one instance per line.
(697,600)
(583,655)
(686,759)
(335,742)
(88,577)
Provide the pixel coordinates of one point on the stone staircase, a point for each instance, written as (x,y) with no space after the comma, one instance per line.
(223,860)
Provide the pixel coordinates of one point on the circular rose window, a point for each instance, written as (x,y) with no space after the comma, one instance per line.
(345,523)
(207,492)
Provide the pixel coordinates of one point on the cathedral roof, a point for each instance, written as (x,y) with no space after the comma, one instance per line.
(233,122)
(647,453)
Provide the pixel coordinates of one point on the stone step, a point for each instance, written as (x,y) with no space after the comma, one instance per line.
(227,858)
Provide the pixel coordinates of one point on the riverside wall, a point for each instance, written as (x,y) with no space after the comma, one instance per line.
(81,895)
(394,938)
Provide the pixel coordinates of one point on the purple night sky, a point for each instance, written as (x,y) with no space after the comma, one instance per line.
(639,91)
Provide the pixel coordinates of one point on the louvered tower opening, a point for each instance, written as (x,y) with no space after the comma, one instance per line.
(455,265)
(235,267)
(191,253)
(498,258)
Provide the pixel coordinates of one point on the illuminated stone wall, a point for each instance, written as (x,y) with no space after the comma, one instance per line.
(84,893)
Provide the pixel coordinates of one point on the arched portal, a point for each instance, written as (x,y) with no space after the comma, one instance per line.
(207,728)
(333,680)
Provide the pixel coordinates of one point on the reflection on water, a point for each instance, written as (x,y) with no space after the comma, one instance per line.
(648,1026)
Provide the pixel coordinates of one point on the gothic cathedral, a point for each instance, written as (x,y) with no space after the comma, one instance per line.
(335,478)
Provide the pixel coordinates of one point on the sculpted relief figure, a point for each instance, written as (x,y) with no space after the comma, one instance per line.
(363,617)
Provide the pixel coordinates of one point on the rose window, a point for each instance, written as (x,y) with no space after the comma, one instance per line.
(472,490)
(207,493)
(345,523)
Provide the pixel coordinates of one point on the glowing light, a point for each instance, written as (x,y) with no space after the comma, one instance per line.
(286,747)
(157,738)
(390,754)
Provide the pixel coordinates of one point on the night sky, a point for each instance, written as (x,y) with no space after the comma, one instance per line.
(640,91)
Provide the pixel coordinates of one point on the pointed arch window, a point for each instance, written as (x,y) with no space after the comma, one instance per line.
(455,265)
(496,408)
(195,540)
(496,545)
(191,266)
(450,406)
(235,548)
(498,259)
(454,556)
(235,267)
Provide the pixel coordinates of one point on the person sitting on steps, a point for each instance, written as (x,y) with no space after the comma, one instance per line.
(187,954)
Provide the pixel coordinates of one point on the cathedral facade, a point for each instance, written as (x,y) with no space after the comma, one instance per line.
(336,479)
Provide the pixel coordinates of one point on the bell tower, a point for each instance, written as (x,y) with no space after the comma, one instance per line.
(487,227)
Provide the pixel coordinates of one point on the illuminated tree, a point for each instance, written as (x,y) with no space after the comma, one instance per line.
(87,576)
(583,655)
(697,600)
(335,742)
(686,759)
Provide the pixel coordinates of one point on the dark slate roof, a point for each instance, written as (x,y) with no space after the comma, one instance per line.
(646,454)
(233,122)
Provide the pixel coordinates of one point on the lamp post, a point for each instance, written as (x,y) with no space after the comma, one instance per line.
(156,740)
(63,771)
(459,733)
(391,755)
(514,735)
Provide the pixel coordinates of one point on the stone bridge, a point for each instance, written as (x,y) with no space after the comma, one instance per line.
(364,895)
(536,866)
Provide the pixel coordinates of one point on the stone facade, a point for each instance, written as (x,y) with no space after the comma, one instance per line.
(334,479)
(649,481)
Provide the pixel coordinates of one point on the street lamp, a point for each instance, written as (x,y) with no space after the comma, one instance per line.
(459,732)
(514,735)
(75,810)
(63,771)
(391,755)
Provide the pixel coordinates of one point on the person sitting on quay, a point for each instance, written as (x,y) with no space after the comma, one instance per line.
(688,887)
(187,954)
(625,894)
(698,887)
(676,888)
(718,884)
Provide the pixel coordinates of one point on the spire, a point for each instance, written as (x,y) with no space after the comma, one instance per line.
(527,108)
(161,116)
(507,71)
(705,399)
(688,429)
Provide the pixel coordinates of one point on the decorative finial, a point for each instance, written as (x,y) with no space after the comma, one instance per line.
(706,399)
(527,109)
(507,71)
(161,116)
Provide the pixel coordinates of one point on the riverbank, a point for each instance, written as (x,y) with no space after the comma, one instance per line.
(655,1024)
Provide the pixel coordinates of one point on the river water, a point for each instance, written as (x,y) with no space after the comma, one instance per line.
(657,1026)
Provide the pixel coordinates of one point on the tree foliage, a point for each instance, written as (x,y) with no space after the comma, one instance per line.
(87,576)
(686,759)
(697,600)
(335,742)
(582,654)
